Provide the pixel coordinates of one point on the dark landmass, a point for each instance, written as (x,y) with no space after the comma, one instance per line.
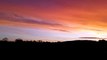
(86,44)
(76,46)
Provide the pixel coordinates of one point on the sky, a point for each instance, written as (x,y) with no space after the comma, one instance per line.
(53,20)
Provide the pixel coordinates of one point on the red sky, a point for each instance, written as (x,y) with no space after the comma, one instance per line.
(66,18)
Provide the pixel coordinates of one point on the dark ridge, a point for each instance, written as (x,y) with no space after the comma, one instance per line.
(76,46)
(19,43)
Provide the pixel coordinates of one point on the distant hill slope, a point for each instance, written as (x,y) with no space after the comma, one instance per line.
(66,44)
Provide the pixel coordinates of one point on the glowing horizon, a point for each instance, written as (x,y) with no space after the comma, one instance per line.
(53,19)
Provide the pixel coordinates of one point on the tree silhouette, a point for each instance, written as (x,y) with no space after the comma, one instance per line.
(39,41)
(103,40)
(5,39)
(19,40)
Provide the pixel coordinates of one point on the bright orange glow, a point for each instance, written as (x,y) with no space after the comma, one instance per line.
(68,16)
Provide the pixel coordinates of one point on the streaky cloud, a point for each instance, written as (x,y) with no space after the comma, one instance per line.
(23,19)
(90,37)
(62,30)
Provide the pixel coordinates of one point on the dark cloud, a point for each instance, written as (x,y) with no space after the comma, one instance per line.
(62,30)
(17,18)
(90,37)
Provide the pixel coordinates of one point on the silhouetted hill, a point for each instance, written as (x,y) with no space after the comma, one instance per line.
(66,44)
(78,46)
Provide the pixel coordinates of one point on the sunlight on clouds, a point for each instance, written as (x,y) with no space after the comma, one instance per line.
(90,33)
(55,19)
